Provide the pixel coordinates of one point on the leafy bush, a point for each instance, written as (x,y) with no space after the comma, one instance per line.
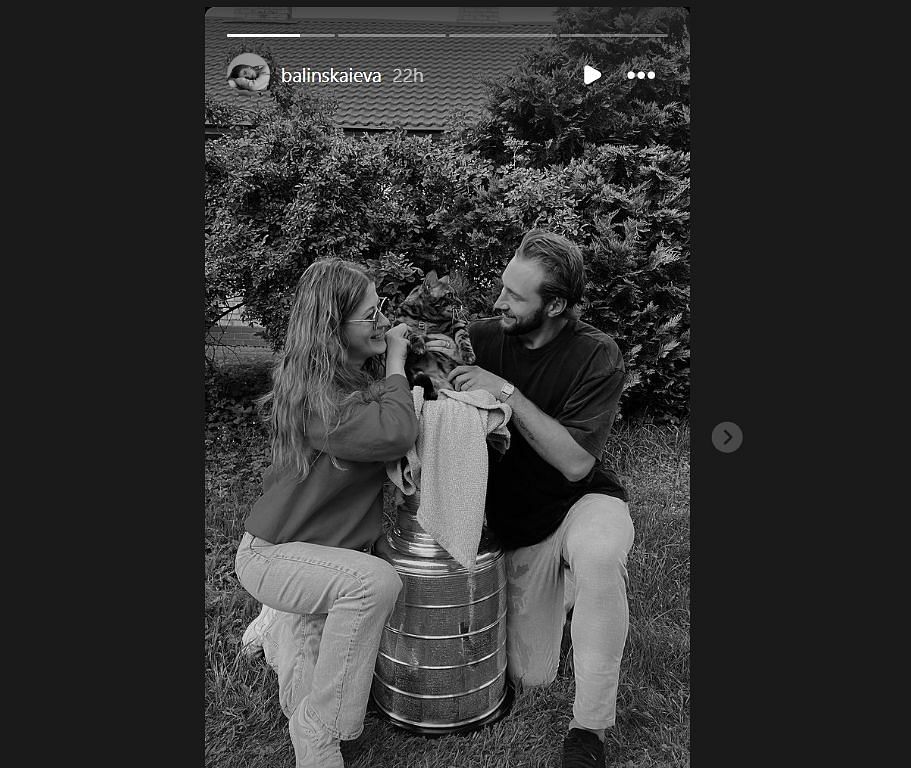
(635,205)
(291,191)
(230,392)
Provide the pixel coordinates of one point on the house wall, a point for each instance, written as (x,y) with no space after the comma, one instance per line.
(235,336)
(481,14)
(233,331)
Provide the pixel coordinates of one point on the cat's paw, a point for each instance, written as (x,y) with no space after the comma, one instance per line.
(417,345)
(463,344)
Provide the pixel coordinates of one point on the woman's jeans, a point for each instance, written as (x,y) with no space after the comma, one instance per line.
(581,565)
(355,590)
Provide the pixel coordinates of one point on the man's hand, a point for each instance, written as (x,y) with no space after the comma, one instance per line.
(547,436)
(467,377)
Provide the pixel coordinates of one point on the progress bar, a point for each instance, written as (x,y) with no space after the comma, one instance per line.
(448,34)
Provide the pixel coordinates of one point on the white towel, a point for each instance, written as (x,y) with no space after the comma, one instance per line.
(405,473)
(448,464)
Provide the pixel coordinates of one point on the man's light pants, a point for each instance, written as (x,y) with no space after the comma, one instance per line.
(593,541)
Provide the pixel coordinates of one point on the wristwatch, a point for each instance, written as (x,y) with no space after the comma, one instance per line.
(506,391)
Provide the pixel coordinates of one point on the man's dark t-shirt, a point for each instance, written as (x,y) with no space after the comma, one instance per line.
(576,378)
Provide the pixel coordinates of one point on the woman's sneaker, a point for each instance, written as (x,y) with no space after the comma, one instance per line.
(252,642)
(313,746)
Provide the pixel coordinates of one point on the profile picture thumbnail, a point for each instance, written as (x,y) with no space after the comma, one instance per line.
(248,72)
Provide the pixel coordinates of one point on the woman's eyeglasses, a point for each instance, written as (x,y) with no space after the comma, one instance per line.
(375,317)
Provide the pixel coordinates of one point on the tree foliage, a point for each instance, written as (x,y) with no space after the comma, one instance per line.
(545,102)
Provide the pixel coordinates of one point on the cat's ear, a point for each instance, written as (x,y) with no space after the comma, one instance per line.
(431,277)
(445,279)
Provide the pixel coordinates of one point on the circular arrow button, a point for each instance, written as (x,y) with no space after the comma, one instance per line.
(727,437)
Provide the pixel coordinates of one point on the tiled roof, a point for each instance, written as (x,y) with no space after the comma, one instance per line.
(452,67)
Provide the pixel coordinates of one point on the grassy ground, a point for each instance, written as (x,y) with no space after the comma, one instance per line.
(245,726)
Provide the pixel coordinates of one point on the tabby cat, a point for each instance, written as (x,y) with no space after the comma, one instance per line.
(433,307)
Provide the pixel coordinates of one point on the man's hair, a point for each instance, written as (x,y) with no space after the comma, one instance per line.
(564,269)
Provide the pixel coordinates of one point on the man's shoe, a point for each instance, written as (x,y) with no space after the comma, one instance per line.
(313,746)
(252,642)
(582,749)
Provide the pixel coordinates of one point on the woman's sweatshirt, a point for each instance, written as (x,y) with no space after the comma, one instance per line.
(340,507)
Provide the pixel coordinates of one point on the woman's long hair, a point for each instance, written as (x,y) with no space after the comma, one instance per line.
(311,377)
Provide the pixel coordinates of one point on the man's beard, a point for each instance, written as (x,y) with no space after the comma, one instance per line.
(522,326)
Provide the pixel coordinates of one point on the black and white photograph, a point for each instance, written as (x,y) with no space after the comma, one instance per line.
(249,72)
(447,387)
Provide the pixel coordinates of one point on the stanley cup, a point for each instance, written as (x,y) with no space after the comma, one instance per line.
(441,665)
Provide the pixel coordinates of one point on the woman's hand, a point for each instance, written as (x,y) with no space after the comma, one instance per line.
(439,342)
(397,348)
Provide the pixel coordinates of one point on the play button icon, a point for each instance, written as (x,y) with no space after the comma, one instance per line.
(590,74)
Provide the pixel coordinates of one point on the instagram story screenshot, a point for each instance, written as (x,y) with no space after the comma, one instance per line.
(447,386)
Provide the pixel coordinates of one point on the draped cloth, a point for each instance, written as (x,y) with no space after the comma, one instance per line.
(448,465)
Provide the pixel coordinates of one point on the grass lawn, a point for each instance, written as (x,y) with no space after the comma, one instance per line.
(245,726)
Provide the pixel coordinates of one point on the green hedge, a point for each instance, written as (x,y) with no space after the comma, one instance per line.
(292,190)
